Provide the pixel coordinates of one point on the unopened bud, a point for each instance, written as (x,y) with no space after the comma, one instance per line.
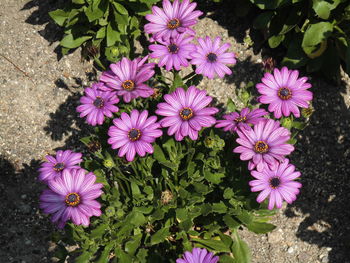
(166,197)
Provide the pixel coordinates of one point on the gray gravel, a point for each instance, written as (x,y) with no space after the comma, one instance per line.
(37,115)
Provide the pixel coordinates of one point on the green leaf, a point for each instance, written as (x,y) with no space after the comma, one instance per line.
(260,228)
(96,9)
(216,245)
(99,231)
(160,235)
(275,41)
(136,218)
(262,20)
(230,222)
(69,42)
(59,16)
(104,257)
(120,8)
(231,106)
(177,82)
(245,217)
(214,178)
(132,245)
(101,33)
(240,249)
(112,34)
(295,56)
(298,125)
(78,2)
(122,256)
(323,8)
(158,153)
(219,207)
(84,257)
(315,34)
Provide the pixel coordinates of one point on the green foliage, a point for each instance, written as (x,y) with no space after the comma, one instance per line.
(105,29)
(314,32)
(186,194)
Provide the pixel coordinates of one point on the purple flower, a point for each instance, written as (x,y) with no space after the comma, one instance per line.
(172,20)
(285,92)
(235,120)
(54,166)
(210,58)
(198,255)
(72,196)
(265,145)
(186,113)
(134,134)
(174,53)
(278,184)
(127,78)
(97,104)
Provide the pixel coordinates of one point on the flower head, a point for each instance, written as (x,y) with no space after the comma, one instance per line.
(210,58)
(186,112)
(55,165)
(173,53)
(235,120)
(278,184)
(172,20)
(264,145)
(198,255)
(285,92)
(72,197)
(97,104)
(134,134)
(127,78)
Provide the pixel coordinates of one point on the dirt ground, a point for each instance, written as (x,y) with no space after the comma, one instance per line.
(38,96)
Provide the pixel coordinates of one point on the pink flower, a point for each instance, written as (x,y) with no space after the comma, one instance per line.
(173,53)
(264,145)
(127,78)
(186,112)
(55,165)
(97,104)
(198,255)
(278,184)
(172,20)
(234,120)
(285,92)
(134,134)
(210,58)
(72,196)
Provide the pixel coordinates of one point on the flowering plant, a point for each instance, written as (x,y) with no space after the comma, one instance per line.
(161,177)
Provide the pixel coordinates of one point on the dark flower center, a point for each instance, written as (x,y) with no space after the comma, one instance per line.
(186,113)
(58,167)
(173,23)
(98,102)
(72,199)
(173,48)
(212,57)
(134,134)
(241,119)
(275,182)
(128,85)
(284,93)
(261,147)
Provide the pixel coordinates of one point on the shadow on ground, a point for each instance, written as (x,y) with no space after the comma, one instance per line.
(65,121)
(323,156)
(24,231)
(40,16)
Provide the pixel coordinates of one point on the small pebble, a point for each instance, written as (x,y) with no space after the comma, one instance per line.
(290,250)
